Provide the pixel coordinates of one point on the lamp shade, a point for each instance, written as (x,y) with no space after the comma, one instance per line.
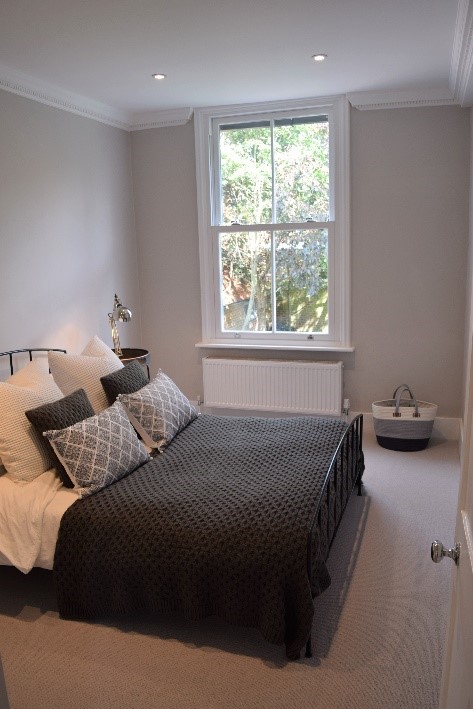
(122,313)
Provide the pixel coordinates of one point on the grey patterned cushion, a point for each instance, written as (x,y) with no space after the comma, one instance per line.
(124,381)
(60,414)
(158,411)
(100,450)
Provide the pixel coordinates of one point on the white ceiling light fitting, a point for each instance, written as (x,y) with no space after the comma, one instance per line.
(319,57)
(159,77)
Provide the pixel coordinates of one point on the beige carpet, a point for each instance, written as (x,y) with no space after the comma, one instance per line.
(378,631)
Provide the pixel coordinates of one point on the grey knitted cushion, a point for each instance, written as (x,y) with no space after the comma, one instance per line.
(124,381)
(60,414)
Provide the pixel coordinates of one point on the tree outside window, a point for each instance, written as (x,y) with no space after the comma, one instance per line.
(274,172)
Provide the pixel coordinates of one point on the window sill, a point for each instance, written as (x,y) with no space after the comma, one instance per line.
(235,345)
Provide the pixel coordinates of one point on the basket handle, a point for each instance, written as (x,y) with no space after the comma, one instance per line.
(397,396)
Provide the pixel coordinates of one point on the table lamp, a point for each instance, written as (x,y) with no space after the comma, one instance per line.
(120,313)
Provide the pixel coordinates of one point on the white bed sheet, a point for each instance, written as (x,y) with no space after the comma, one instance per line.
(30,515)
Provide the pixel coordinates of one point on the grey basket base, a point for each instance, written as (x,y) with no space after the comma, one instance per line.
(403,444)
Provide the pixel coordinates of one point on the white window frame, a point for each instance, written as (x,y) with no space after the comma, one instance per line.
(338,337)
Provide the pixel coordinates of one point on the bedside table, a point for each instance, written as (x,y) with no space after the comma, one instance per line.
(132,354)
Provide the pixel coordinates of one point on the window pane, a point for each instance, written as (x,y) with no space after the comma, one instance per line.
(245,170)
(245,275)
(301,158)
(302,281)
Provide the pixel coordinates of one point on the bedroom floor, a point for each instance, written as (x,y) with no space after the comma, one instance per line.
(378,634)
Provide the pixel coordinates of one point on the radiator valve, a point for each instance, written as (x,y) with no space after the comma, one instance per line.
(346,406)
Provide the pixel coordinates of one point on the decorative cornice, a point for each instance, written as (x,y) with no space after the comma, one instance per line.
(411,98)
(461,68)
(461,82)
(18,83)
(161,119)
(30,87)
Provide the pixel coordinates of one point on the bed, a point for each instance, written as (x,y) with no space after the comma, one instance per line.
(225,516)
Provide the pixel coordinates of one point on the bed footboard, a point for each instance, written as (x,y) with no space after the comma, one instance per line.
(344,473)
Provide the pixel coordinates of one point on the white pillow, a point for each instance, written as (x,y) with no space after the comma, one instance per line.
(83,371)
(22,450)
(97,348)
(99,450)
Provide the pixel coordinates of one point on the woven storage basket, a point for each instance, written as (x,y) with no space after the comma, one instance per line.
(403,424)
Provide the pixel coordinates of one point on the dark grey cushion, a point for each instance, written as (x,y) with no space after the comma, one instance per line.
(127,380)
(61,414)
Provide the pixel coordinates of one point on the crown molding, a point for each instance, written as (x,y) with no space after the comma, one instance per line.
(461,83)
(161,119)
(29,87)
(409,98)
(461,67)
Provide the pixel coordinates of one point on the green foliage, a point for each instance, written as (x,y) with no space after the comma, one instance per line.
(301,170)
(301,193)
(245,159)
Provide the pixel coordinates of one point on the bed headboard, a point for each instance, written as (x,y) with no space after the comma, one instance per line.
(10,353)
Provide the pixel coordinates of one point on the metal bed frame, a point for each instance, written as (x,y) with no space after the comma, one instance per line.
(29,350)
(348,460)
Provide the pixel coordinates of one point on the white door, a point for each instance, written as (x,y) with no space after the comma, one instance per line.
(457,679)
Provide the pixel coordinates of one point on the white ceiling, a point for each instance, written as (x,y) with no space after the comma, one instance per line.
(229,51)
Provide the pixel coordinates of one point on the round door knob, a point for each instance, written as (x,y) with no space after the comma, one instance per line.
(438,551)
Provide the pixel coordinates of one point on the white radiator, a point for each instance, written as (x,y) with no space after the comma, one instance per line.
(273,385)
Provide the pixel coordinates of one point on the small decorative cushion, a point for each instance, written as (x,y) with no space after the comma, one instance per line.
(61,414)
(83,371)
(99,450)
(24,453)
(158,411)
(124,381)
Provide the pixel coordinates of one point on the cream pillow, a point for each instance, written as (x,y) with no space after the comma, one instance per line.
(97,348)
(22,450)
(83,371)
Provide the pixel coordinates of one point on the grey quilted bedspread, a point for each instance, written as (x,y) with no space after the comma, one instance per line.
(215,525)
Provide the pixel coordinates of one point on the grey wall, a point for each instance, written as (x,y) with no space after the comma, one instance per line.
(410,185)
(166,223)
(67,237)
(67,234)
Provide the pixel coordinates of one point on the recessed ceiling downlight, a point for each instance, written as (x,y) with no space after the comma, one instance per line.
(159,77)
(319,57)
